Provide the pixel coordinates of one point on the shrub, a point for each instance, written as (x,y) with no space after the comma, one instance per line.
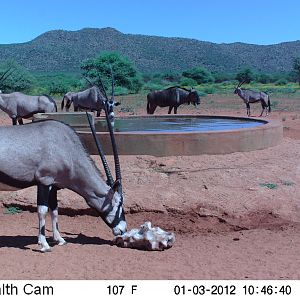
(150,86)
(188,82)
(281,81)
(199,74)
(119,90)
(245,75)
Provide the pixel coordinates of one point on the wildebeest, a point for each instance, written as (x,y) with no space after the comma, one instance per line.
(35,154)
(250,96)
(18,105)
(91,99)
(172,97)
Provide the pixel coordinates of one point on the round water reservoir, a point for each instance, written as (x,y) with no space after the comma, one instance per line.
(177,134)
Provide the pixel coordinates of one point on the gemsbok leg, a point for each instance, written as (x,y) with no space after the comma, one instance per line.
(248,109)
(47,195)
(54,216)
(42,205)
(264,107)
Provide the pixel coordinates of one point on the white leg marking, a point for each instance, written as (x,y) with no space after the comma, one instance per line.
(56,235)
(42,212)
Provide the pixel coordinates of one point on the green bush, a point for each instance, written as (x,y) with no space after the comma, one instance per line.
(199,74)
(246,75)
(264,78)
(188,82)
(281,81)
(119,90)
(209,89)
(150,86)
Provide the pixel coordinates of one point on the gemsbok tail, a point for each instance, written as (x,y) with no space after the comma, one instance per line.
(63,103)
(269,104)
(148,107)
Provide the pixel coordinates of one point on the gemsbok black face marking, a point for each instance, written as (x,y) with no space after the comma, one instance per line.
(18,105)
(53,161)
(172,97)
(250,96)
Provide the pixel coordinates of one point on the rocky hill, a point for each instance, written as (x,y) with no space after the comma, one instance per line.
(61,50)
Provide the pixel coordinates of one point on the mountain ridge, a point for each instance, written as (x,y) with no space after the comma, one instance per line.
(63,51)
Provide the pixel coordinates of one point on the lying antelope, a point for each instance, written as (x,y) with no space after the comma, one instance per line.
(18,105)
(172,97)
(250,96)
(50,155)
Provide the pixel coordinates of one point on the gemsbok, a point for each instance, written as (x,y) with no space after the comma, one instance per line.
(250,96)
(89,99)
(18,105)
(50,155)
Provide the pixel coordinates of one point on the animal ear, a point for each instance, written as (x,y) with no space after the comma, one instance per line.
(117,103)
(116,185)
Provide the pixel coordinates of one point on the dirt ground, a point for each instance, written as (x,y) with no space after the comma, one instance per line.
(235,216)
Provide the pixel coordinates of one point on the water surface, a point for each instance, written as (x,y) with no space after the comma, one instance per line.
(180,124)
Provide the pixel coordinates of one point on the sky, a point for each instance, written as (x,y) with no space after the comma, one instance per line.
(221,21)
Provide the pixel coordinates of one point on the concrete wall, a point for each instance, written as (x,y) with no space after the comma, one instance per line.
(190,143)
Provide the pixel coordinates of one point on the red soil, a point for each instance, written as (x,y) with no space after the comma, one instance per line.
(228,223)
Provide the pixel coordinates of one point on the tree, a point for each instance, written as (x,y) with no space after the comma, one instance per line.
(14,77)
(199,74)
(246,76)
(296,67)
(171,76)
(125,73)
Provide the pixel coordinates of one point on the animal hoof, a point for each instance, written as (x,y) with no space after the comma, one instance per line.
(62,243)
(44,250)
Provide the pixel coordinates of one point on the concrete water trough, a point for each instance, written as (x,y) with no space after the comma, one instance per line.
(176,134)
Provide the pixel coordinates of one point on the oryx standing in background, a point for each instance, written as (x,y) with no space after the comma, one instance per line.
(250,96)
(91,99)
(18,105)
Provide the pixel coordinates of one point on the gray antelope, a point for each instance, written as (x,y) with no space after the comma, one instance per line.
(172,97)
(91,99)
(250,96)
(35,154)
(18,105)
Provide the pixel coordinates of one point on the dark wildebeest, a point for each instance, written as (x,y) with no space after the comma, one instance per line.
(250,96)
(91,99)
(172,97)
(18,105)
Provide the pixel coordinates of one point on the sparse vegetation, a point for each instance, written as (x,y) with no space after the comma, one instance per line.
(270,186)
(296,66)
(12,210)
